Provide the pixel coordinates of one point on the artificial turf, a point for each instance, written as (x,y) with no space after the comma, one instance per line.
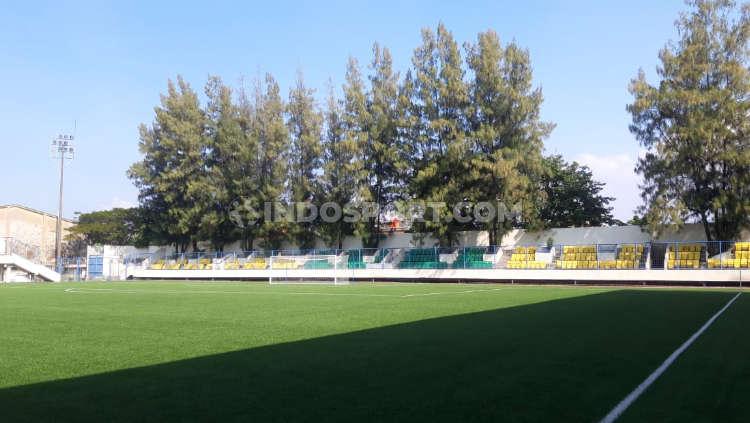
(179,351)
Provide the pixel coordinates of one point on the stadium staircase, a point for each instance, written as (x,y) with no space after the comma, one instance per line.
(34,269)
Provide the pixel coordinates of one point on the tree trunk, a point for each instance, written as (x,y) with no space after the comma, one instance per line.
(493,234)
(706,226)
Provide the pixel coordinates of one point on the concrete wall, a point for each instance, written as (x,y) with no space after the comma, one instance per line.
(32,227)
(577,236)
(516,237)
(391,240)
(691,232)
(601,235)
(662,277)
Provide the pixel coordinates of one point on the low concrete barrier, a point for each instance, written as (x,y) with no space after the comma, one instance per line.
(664,277)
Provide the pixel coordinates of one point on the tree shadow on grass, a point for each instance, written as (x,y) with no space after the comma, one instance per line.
(562,360)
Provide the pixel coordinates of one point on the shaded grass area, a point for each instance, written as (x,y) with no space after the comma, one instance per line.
(175,352)
(710,381)
(48,333)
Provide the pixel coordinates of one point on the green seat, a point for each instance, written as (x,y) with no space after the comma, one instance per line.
(318,264)
(380,256)
(471,258)
(422,258)
(356,260)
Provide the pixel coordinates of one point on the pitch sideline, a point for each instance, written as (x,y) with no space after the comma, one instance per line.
(623,405)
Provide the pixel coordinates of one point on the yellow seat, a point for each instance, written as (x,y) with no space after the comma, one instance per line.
(281,263)
(257,263)
(523,258)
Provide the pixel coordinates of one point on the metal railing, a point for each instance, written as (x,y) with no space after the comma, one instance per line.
(9,245)
(701,255)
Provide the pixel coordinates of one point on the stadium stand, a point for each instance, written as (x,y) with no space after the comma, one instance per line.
(356,259)
(578,257)
(255,263)
(737,258)
(198,264)
(232,264)
(283,263)
(684,256)
(422,258)
(525,258)
(472,258)
(629,256)
(591,257)
(380,255)
(177,265)
(318,264)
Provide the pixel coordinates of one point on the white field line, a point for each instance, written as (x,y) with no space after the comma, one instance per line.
(451,292)
(162,291)
(628,400)
(336,294)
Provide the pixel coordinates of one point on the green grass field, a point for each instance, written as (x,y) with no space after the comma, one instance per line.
(184,351)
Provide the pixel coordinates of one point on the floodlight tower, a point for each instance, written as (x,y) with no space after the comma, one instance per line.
(62,149)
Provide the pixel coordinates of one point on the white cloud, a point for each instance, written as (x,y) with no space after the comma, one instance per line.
(617,172)
(119,203)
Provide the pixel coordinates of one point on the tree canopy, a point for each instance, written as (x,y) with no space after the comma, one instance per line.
(109,227)
(694,123)
(573,197)
(461,126)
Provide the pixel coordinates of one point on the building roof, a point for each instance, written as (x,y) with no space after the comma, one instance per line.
(29,209)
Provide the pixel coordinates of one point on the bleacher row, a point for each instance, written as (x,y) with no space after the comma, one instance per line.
(429,258)
(738,258)
(579,257)
(620,256)
(525,258)
(258,263)
(355,260)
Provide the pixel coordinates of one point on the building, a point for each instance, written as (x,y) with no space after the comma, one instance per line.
(34,228)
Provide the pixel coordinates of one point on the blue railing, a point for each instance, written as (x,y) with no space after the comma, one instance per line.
(73,268)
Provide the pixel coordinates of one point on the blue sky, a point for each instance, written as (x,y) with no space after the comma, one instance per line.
(104,65)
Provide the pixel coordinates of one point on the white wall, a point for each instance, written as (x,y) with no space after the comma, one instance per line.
(577,236)
(13,274)
(520,237)
(601,235)
(113,257)
(690,232)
